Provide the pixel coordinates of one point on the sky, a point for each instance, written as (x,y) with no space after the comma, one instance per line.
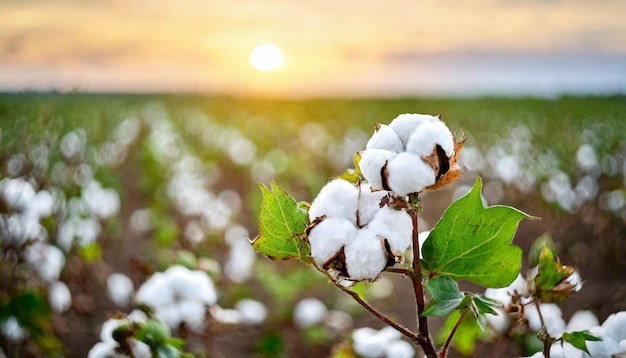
(331,48)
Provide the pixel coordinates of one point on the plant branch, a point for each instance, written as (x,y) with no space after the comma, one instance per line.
(544,336)
(405,331)
(422,322)
(444,349)
(398,270)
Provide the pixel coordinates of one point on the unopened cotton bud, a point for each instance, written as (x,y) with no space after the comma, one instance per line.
(371,164)
(430,134)
(365,257)
(408,173)
(395,226)
(338,198)
(328,237)
(385,138)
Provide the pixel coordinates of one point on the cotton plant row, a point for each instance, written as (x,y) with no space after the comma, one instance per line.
(364,224)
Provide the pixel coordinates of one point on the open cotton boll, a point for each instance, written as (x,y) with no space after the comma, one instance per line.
(408,173)
(582,320)
(308,312)
(399,349)
(424,139)
(385,138)
(252,311)
(552,317)
(120,288)
(59,296)
(369,203)
(395,226)
(372,161)
(328,237)
(365,256)
(367,343)
(338,198)
(192,313)
(615,326)
(406,124)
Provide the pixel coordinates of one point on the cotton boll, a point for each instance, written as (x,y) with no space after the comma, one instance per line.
(582,320)
(399,349)
(155,291)
(408,173)
(367,343)
(192,313)
(308,312)
(406,124)
(12,329)
(329,236)
(338,320)
(499,322)
(607,347)
(615,326)
(338,198)
(385,138)
(59,296)
(252,311)
(365,256)
(226,315)
(424,139)
(551,315)
(120,288)
(104,350)
(371,164)
(395,226)
(47,259)
(369,203)
(389,334)
(565,350)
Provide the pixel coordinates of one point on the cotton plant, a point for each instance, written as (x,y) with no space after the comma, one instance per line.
(364,224)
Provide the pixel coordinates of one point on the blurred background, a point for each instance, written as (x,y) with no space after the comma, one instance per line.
(355,48)
(134,136)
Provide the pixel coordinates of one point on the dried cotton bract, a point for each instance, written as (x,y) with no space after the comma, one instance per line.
(414,152)
(352,233)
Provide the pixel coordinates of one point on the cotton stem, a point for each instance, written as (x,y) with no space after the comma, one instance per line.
(544,336)
(444,349)
(422,322)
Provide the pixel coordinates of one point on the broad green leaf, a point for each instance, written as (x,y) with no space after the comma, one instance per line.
(579,339)
(472,242)
(445,296)
(281,226)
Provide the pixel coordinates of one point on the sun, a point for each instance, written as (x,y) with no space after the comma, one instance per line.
(266,57)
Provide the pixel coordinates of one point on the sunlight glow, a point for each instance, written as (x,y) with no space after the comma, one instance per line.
(266,57)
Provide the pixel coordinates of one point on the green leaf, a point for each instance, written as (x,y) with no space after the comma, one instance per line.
(485,305)
(579,339)
(474,243)
(445,296)
(281,226)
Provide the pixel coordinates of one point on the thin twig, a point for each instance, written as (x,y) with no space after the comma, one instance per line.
(422,322)
(545,337)
(444,349)
(398,270)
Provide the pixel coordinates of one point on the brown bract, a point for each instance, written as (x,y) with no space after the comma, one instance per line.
(447,169)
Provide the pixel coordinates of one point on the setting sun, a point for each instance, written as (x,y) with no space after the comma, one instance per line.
(266,57)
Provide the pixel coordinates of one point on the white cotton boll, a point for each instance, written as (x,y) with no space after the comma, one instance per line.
(47,259)
(140,349)
(367,343)
(309,312)
(408,173)
(226,315)
(120,289)
(607,347)
(551,315)
(169,314)
(17,193)
(371,164)
(365,256)
(252,311)
(103,350)
(385,138)
(107,329)
(389,334)
(101,202)
(582,320)
(59,296)
(564,350)
(338,198)
(499,322)
(406,124)
(395,226)
(192,285)
(192,313)
(12,329)
(615,326)
(328,237)
(138,316)
(369,203)
(399,349)
(422,142)
(41,206)
(155,291)
(240,261)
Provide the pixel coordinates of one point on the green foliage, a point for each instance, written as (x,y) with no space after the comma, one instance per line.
(90,252)
(579,339)
(281,226)
(550,283)
(445,296)
(473,243)
(466,335)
